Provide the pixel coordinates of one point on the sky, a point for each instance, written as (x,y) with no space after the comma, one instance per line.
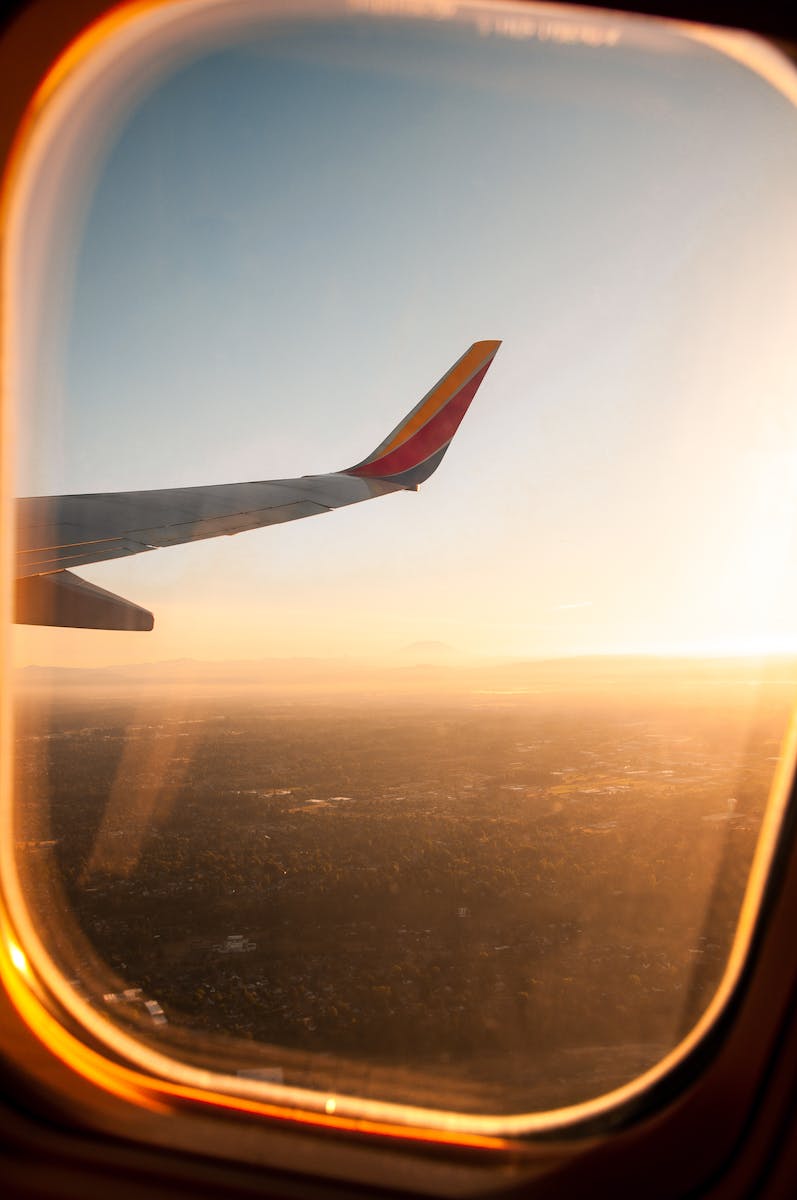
(291,235)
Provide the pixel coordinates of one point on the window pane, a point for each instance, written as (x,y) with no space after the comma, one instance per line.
(447,800)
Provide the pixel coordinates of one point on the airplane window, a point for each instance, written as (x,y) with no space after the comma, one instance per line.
(446,802)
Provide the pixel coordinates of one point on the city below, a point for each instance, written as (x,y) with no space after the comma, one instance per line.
(495,889)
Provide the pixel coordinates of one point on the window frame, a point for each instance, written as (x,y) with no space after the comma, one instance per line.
(724,1114)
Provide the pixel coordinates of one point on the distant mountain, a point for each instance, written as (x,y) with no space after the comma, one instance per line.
(188,671)
(429,650)
(424,668)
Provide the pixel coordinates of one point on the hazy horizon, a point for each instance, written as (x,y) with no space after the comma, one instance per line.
(475,680)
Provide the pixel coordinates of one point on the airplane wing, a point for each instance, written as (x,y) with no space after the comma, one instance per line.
(57,533)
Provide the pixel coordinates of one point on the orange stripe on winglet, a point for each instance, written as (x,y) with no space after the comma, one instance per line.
(441,393)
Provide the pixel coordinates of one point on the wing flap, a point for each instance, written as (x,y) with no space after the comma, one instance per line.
(67,600)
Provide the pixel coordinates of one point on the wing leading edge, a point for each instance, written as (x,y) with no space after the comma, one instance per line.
(58,533)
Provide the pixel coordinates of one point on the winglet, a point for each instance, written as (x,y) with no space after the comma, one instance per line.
(416,446)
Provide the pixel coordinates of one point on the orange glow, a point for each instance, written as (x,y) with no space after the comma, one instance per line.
(84,45)
(76,52)
(18,959)
(156,1094)
(76,1056)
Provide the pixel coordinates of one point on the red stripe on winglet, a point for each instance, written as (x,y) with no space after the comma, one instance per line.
(435,433)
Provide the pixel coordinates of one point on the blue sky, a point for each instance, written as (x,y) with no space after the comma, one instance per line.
(293,236)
